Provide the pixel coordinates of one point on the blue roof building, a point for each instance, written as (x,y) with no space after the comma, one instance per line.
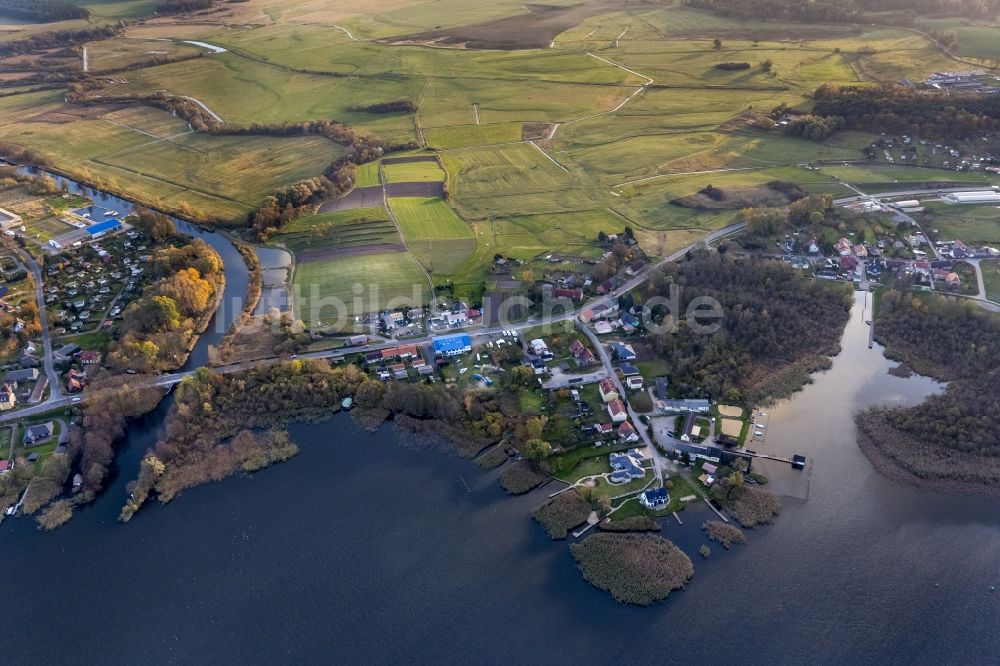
(654,499)
(452,345)
(101,228)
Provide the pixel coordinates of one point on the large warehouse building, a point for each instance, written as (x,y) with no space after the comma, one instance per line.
(977,197)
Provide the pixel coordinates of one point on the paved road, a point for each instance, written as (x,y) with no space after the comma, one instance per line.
(168,380)
(43,318)
(602,352)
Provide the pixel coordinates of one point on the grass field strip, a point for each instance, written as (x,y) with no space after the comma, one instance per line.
(161,140)
(552,159)
(628,99)
(691,173)
(399,229)
(134,129)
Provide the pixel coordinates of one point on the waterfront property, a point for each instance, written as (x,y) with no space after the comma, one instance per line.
(679,406)
(654,499)
(626,466)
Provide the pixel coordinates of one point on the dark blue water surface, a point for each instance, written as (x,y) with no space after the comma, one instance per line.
(360,550)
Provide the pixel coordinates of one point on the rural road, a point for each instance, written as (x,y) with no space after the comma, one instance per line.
(170,379)
(43,319)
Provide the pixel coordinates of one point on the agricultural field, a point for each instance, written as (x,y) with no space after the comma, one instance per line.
(437,237)
(368,175)
(329,232)
(552,122)
(414,172)
(350,285)
(428,218)
(973,224)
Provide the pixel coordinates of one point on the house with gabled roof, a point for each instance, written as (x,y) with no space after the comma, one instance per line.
(627,433)
(38,433)
(616,408)
(607,389)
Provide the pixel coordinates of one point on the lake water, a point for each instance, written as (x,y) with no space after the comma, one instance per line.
(362,551)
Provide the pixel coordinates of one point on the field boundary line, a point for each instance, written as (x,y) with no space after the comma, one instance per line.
(552,159)
(399,229)
(205,107)
(348,33)
(638,89)
(694,173)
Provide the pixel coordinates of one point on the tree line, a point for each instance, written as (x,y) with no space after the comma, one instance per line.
(54,39)
(892,12)
(953,436)
(776,327)
(896,109)
(42,11)
(182,6)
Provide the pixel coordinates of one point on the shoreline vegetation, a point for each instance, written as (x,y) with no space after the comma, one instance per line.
(213,428)
(635,569)
(562,513)
(950,442)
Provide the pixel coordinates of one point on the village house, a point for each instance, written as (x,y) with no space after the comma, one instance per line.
(626,466)
(539,348)
(622,351)
(627,433)
(633,383)
(581,353)
(606,388)
(37,434)
(654,499)
(603,327)
(604,429)
(15,377)
(90,357)
(616,408)
(572,294)
(7,398)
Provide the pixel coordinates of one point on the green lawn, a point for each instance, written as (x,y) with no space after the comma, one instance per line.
(991,278)
(973,224)
(326,290)
(5,434)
